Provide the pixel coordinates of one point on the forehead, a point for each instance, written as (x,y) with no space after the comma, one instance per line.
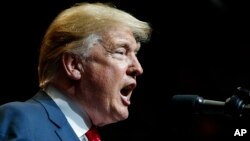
(120,35)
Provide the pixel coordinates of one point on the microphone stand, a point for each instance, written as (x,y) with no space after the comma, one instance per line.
(238,105)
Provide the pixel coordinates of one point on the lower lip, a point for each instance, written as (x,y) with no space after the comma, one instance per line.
(125,101)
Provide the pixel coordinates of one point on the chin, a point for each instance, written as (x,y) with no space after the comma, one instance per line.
(124,115)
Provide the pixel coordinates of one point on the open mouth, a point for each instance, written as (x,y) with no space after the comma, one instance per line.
(126,93)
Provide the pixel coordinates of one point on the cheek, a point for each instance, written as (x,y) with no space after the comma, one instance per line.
(117,72)
(102,76)
(108,74)
(110,78)
(113,70)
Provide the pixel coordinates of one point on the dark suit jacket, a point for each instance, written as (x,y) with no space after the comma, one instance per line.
(38,119)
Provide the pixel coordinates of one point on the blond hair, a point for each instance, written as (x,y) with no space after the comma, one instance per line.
(75,26)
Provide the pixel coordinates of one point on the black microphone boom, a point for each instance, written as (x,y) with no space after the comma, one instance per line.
(186,104)
(196,104)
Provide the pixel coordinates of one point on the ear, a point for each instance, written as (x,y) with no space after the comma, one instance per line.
(71,66)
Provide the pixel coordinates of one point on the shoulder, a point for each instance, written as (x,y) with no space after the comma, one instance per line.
(28,111)
(15,117)
(16,107)
(21,118)
(18,110)
(32,106)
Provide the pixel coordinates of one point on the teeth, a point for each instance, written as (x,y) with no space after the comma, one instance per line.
(124,97)
(125,100)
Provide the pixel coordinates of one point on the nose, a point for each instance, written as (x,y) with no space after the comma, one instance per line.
(135,68)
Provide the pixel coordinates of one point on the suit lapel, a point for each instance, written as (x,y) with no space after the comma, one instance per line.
(64,130)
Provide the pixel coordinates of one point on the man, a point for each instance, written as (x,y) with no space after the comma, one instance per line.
(87,71)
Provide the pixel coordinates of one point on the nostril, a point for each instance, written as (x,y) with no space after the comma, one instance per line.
(134,74)
(133,71)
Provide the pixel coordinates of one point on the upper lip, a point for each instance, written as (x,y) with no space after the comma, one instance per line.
(131,86)
(127,89)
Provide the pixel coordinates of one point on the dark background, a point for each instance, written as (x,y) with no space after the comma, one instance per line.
(197,47)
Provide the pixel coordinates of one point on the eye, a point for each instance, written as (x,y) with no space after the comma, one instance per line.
(121,51)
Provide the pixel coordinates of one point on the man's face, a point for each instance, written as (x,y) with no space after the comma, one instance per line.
(109,76)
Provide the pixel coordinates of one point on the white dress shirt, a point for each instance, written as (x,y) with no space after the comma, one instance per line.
(77,118)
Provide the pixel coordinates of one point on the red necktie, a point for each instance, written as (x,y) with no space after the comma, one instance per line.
(93,135)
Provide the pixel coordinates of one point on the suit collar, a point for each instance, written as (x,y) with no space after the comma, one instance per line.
(55,115)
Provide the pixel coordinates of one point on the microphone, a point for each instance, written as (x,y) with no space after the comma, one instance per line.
(186,104)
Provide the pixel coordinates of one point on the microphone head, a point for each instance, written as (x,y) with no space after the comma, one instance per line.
(194,104)
(185,104)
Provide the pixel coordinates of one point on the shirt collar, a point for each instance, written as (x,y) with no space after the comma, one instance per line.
(77,117)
